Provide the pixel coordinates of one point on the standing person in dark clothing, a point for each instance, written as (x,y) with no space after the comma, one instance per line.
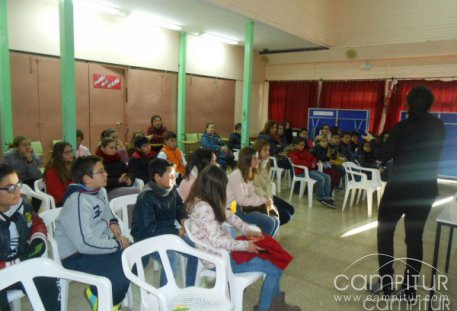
(235,138)
(288,132)
(415,146)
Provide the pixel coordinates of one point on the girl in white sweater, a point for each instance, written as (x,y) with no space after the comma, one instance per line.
(251,208)
(207,212)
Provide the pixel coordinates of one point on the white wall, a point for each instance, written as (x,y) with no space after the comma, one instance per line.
(34,27)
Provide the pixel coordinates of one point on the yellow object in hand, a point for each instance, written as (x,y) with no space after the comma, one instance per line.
(233,207)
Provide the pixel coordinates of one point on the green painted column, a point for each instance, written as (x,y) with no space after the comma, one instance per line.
(181,122)
(67,71)
(247,84)
(6,113)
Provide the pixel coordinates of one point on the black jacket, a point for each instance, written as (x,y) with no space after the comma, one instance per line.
(320,153)
(234,141)
(155,214)
(415,146)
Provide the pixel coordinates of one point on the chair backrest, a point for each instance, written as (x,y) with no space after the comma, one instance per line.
(132,256)
(191,137)
(120,207)
(49,218)
(139,184)
(221,252)
(45,201)
(302,167)
(26,271)
(40,188)
(353,173)
(122,191)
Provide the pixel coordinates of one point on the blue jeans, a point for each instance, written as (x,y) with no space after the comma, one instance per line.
(324,184)
(107,265)
(191,268)
(268,224)
(270,286)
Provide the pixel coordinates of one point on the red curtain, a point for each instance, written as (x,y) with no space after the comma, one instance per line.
(445,98)
(290,100)
(360,95)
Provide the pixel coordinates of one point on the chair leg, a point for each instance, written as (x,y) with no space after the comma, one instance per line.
(292,190)
(236,296)
(198,277)
(64,285)
(346,195)
(310,194)
(353,195)
(369,202)
(378,195)
(359,195)
(16,304)
(278,181)
(183,264)
(302,189)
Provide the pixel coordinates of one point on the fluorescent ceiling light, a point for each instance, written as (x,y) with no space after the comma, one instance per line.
(154,20)
(103,6)
(212,36)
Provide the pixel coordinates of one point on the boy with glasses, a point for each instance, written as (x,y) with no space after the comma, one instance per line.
(88,234)
(22,237)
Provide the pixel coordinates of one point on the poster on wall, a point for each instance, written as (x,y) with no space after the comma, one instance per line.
(109,82)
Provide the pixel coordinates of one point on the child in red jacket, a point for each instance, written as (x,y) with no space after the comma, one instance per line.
(57,173)
(300,156)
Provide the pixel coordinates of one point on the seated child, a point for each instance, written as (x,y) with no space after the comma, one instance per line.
(81,150)
(199,160)
(207,213)
(139,162)
(88,234)
(58,170)
(117,170)
(22,237)
(156,210)
(172,153)
(300,156)
(321,153)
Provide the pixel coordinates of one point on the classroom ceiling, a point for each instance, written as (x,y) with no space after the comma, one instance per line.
(197,16)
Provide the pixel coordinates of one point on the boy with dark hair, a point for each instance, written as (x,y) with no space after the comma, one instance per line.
(81,150)
(234,141)
(157,209)
(345,147)
(172,153)
(139,162)
(301,156)
(88,234)
(22,237)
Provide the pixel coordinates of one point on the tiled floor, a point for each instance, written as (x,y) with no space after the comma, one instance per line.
(314,238)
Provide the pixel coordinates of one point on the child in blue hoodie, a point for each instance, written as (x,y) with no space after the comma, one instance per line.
(87,233)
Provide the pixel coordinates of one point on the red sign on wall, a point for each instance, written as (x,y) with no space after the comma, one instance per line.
(106,82)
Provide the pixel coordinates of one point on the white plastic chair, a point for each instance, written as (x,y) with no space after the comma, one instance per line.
(237,282)
(305,181)
(45,202)
(139,184)
(120,207)
(357,180)
(40,187)
(14,298)
(170,296)
(49,219)
(276,171)
(26,271)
